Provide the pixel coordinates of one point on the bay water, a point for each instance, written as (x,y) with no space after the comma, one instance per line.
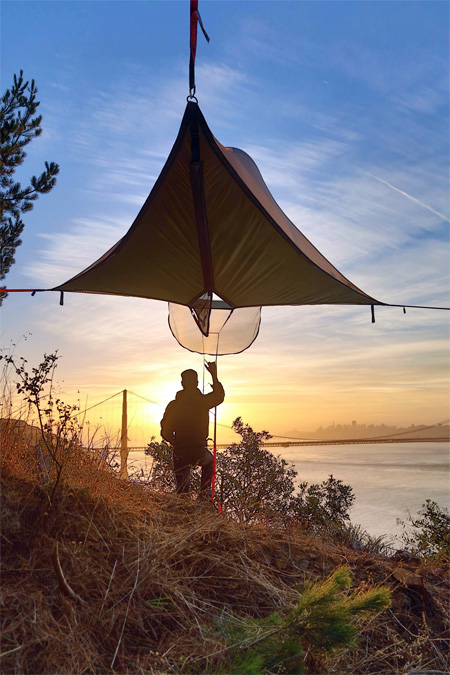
(389,480)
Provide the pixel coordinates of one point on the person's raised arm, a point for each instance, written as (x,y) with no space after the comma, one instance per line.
(218,393)
(212,369)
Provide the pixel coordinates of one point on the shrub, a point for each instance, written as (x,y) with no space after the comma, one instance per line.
(46,447)
(428,534)
(161,476)
(58,427)
(318,505)
(251,480)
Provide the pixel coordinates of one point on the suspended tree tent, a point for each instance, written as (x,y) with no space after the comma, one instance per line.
(211,229)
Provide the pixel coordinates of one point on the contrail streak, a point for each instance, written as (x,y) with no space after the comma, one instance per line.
(408,196)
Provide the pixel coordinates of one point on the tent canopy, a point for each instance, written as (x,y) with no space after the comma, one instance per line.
(210,225)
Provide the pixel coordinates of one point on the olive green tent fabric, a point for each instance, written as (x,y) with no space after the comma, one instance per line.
(210,225)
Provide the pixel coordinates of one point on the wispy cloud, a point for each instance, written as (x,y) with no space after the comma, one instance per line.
(424,98)
(67,253)
(408,196)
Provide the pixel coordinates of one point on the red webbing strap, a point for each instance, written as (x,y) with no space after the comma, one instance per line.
(193,45)
(194,19)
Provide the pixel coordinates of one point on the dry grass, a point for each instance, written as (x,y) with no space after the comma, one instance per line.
(103,575)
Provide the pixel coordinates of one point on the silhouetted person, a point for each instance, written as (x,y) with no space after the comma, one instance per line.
(185,425)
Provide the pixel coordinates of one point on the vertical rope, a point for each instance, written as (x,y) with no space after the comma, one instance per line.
(204,363)
(213,483)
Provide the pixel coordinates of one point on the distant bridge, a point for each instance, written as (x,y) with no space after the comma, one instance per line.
(348,441)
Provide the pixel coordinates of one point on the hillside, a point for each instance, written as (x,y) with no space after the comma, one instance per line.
(101,575)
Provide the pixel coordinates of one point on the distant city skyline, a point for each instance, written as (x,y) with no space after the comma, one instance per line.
(367,430)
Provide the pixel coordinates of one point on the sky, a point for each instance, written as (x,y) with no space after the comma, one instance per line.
(344,106)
